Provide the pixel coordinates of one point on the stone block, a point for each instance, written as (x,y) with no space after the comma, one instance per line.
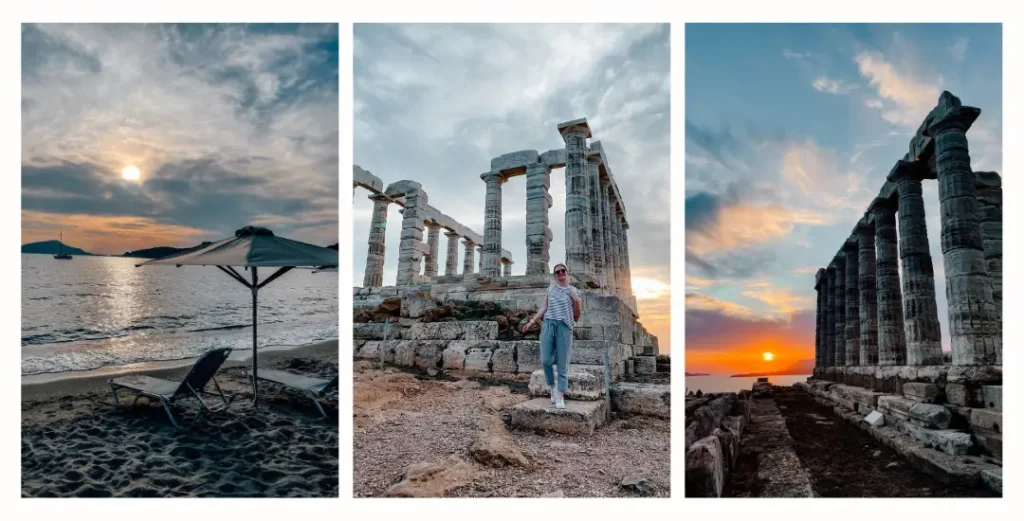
(527,355)
(504,358)
(514,160)
(705,468)
(921,391)
(954,443)
(957,394)
(582,385)
(930,415)
(988,419)
(463,330)
(578,418)
(710,416)
(645,364)
(429,353)
(991,442)
(415,304)
(993,479)
(405,353)
(993,396)
(896,406)
(375,331)
(875,419)
(372,351)
(479,354)
(643,398)
(454,356)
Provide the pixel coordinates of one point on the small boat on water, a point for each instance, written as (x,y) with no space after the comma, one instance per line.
(61,255)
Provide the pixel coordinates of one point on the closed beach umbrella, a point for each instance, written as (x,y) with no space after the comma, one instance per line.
(253,247)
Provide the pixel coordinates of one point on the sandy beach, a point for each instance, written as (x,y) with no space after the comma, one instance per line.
(444,434)
(75,444)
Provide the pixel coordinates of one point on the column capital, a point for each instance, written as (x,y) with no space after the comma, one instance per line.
(839,259)
(831,269)
(594,157)
(576,126)
(864,227)
(380,198)
(468,242)
(493,177)
(957,118)
(451,235)
(883,205)
(850,245)
(819,278)
(908,171)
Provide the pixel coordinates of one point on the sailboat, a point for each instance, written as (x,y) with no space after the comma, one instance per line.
(62,255)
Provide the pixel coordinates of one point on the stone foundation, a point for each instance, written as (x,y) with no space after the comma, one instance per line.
(714,426)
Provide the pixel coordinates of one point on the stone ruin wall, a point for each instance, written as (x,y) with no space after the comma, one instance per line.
(878,341)
(468,317)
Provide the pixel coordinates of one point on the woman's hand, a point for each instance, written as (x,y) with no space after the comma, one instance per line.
(527,326)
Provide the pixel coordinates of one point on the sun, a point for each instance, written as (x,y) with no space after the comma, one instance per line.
(768,356)
(130,173)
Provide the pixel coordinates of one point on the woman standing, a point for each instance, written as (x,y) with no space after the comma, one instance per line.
(560,311)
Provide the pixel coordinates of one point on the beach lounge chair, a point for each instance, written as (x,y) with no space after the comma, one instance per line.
(313,388)
(177,393)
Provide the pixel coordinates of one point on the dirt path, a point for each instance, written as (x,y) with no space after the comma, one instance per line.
(844,461)
(402,418)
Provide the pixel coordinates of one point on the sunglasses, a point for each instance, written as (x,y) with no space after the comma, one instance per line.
(559,272)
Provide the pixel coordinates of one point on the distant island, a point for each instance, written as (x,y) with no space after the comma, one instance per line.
(798,369)
(696,374)
(51,248)
(157,252)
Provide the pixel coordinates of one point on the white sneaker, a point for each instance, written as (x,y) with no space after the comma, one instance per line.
(560,403)
(554,396)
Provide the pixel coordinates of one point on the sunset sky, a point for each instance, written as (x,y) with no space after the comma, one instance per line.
(434,104)
(790,132)
(227,125)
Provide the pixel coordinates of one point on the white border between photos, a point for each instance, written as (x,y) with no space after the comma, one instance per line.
(344,13)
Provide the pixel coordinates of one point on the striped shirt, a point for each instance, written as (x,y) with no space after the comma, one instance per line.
(560,304)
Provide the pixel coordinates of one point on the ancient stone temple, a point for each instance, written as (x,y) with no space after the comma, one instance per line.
(893,360)
(471,320)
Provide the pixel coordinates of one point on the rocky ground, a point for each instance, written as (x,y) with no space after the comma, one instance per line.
(420,433)
(840,459)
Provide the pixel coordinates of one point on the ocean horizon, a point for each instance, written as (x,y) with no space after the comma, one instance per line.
(99,311)
(724,383)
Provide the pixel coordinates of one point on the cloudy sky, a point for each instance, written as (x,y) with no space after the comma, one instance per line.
(434,104)
(790,132)
(228,125)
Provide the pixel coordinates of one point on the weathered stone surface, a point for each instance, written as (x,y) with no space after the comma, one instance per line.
(921,391)
(375,331)
(492,225)
(429,353)
(503,360)
(819,325)
(705,468)
(891,340)
(433,479)
(578,417)
(709,416)
(454,356)
(951,442)
(459,330)
(993,479)
(987,419)
(868,297)
(993,395)
(415,304)
(373,274)
(577,198)
(582,385)
(514,160)
(527,355)
(478,356)
(839,307)
(405,353)
(930,415)
(895,406)
(851,349)
(829,335)
(645,364)
(875,419)
(973,323)
(643,398)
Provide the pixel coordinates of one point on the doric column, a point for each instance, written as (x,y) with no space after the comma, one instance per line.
(451,265)
(506,268)
(819,322)
(973,329)
(373,274)
(577,200)
(620,261)
(492,224)
(828,352)
(920,313)
(868,296)
(479,258)
(596,221)
(892,345)
(839,354)
(467,260)
(851,252)
(989,191)
(538,233)
(611,257)
(411,249)
(433,233)
(627,270)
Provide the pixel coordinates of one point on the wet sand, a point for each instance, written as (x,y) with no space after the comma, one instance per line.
(75,444)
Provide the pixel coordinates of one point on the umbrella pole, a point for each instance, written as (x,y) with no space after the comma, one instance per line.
(255,291)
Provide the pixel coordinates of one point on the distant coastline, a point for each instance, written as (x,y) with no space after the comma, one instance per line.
(696,374)
(770,373)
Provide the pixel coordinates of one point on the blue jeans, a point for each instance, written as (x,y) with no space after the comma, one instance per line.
(556,349)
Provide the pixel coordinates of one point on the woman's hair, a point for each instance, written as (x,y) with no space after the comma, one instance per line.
(562,265)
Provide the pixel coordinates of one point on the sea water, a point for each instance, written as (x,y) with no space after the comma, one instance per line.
(92,312)
(723,383)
